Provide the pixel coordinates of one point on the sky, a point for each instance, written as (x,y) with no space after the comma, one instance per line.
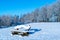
(20,7)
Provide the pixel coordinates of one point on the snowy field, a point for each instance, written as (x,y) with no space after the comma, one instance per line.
(41,31)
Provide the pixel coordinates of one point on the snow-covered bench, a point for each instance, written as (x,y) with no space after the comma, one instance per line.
(20,29)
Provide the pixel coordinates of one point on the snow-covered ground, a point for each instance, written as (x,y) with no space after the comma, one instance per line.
(41,31)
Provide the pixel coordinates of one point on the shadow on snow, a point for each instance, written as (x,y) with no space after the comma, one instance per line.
(34,30)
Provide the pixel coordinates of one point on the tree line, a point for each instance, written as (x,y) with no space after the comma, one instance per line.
(47,13)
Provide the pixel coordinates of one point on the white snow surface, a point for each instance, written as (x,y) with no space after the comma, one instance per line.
(41,31)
